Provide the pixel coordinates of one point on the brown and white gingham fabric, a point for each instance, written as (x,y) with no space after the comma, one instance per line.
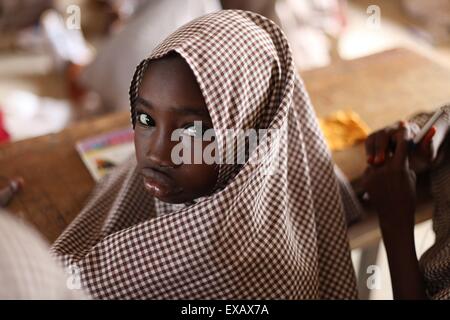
(277,236)
(435,262)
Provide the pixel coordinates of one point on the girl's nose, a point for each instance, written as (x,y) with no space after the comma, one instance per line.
(160,149)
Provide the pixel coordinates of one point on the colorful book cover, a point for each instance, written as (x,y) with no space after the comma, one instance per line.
(102,153)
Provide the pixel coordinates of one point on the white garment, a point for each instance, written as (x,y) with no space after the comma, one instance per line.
(27,271)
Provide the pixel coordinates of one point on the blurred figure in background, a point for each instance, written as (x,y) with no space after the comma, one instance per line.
(110,72)
(307,27)
(433,17)
(18,14)
(97,76)
(263,7)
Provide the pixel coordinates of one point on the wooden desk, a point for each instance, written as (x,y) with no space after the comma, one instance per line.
(57,182)
(381,88)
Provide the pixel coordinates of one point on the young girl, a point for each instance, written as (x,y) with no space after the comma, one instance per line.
(274,228)
(391,183)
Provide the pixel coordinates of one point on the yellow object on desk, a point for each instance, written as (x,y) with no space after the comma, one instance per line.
(343,129)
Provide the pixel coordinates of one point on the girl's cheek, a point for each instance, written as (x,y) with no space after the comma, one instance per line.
(140,146)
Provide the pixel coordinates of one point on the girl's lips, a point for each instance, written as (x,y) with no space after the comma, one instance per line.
(160,188)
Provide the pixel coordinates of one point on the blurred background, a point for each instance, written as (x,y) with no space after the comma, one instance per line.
(65,61)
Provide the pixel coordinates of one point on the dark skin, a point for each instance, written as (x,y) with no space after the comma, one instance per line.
(169,99)
(390,181)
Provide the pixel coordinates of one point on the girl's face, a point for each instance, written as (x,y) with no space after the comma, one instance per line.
(170,99)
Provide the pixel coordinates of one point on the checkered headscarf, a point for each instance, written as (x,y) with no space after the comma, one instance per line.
(272,230)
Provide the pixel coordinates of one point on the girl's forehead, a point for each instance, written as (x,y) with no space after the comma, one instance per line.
(170,81)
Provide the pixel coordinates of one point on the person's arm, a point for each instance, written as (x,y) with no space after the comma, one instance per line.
(406,277)
(391,186)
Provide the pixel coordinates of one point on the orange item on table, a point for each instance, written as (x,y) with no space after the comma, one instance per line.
(343,129)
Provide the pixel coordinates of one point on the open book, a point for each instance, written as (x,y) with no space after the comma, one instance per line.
(103,152)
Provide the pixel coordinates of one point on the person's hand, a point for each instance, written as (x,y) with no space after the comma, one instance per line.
(391,185)
(8,188)
(379,145)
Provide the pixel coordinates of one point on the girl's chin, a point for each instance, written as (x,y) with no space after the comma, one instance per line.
(169,198)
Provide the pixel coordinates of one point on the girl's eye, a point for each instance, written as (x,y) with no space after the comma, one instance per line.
(145,120)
